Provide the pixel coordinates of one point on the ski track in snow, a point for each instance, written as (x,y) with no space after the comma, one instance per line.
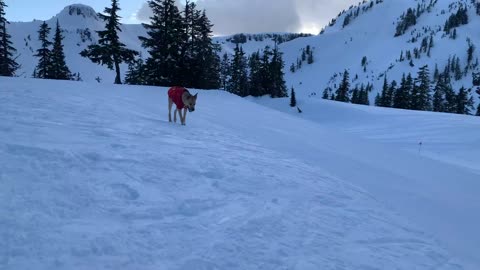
(93,177)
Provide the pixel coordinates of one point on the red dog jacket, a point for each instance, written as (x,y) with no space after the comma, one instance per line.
(176,93)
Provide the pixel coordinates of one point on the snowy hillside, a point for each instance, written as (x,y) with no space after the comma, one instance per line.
(93,177)
(371,34)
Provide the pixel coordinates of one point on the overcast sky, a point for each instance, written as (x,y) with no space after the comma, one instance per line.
(229,16)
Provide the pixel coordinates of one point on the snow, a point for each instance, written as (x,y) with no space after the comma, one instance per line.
(92,176)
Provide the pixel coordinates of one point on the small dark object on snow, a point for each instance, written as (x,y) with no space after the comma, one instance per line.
(299,111)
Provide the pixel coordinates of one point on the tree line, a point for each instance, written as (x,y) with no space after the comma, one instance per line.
(412,93)
(257,75)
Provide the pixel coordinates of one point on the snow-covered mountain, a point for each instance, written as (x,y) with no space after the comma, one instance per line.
(79,23)
(366,31)
(370,33)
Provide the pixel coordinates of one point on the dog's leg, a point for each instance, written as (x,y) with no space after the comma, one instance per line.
(184,117)
(175,115)
(170,104)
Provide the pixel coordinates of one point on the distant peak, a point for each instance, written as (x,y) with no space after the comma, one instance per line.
(79,10)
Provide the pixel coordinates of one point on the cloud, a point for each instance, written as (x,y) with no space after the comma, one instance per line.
(253,16)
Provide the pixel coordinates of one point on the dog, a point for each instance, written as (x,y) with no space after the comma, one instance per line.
(183,100)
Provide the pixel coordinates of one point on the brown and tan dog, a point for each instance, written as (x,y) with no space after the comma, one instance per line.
(183,100)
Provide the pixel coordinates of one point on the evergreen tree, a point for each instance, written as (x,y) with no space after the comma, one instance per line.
(450,98)
(279,89)
(458,70)
(363,96)
(238,83)
(310,58)
(265,72)
(293,100)
(439,102)
(422,92)
(8,65)
(292,68)
(326,93)
(355,95)
(342,93)
(470,52)
(110,51)
(59,69)
(436,73)
(225,71)
(44,53)
(378,100)
(136,73)
(255,75)
(464,101)
(401,95)
(386,98)
(209,59)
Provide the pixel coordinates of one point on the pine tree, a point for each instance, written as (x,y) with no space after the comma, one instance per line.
(439,102)
(279,89)
(44,54)
(59,69)
(310,58)
(326,93)
(436,73)
(255,75)
(422,92)
(136,73)
(238,83)
(293,100)
(225,71)
(292,68)
(458,70)
(164,43)
(401,95)
(265,72)
(378,100)
(110,51)
(342,93)
(450,99)
(363,96)
(386,96)
(209,65)
(464,101)
(8,65)
(355,96)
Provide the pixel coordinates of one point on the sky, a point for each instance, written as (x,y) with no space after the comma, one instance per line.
(228,16)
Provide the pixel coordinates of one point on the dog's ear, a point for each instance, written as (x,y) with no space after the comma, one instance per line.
(196,95)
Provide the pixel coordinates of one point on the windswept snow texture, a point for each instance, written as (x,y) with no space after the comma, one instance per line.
(93,177)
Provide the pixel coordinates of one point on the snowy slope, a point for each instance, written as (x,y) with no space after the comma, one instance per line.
(371,34)
(93,177)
